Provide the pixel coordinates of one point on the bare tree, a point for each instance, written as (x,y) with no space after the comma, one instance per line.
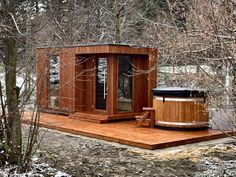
(13,124)
(16,39)
(196,40)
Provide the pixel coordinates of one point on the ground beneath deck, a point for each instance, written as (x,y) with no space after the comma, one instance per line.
(125,132)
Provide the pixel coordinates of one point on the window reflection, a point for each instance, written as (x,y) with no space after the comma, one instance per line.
(125,83)
(101,83)
(54,80)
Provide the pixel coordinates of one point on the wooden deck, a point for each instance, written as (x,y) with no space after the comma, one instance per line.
(125,132)
(98,117)
(89,117)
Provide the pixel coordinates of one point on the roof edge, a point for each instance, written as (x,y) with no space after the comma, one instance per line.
(94,44)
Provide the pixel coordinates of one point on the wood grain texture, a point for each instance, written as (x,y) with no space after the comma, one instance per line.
(42,78)
(112,85)
(152,76)
(183,114)
(80,84)
(125,132)
(140,86)
(67,79)
(78,88)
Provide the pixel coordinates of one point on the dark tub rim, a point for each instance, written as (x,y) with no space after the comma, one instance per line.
(179,92)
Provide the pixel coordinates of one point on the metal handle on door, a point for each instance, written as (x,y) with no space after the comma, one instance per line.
(104,85)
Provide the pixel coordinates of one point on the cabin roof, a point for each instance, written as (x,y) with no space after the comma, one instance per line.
(93,44)
(84,45)
(104,49)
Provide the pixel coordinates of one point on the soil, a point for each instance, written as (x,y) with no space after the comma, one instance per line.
(81,156)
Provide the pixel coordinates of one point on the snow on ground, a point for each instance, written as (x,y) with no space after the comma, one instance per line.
(66,155)
(38,169)
(81,156)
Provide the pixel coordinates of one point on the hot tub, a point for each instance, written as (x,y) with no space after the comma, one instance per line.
(180,107)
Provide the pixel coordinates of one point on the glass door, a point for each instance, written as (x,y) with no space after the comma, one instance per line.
(101,83)
(125,84)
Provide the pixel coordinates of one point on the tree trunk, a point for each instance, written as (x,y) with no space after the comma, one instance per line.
(14,138)
(117,20)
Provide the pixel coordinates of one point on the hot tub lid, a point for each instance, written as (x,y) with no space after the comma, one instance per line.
(178,92)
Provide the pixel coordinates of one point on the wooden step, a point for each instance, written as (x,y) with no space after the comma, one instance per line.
(140,117)
(89,117)
(148,114)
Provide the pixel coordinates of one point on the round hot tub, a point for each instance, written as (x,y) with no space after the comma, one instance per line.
(180,107)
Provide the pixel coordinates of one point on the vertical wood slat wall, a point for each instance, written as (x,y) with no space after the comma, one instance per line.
(182,114)
(67,79)
(140,95)
(77,88)
(152,76)
(42,78)
(112,85)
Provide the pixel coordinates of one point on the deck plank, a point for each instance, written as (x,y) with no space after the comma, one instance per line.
(125,132)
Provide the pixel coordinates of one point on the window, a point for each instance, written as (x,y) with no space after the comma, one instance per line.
(125,83)
(101,83)
(54,81)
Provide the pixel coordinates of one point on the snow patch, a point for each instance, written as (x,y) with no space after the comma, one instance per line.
(38,169)
(61,174)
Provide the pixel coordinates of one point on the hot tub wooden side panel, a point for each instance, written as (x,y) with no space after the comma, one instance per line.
(183,114)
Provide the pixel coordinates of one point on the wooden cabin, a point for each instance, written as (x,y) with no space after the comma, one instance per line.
(96,83)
